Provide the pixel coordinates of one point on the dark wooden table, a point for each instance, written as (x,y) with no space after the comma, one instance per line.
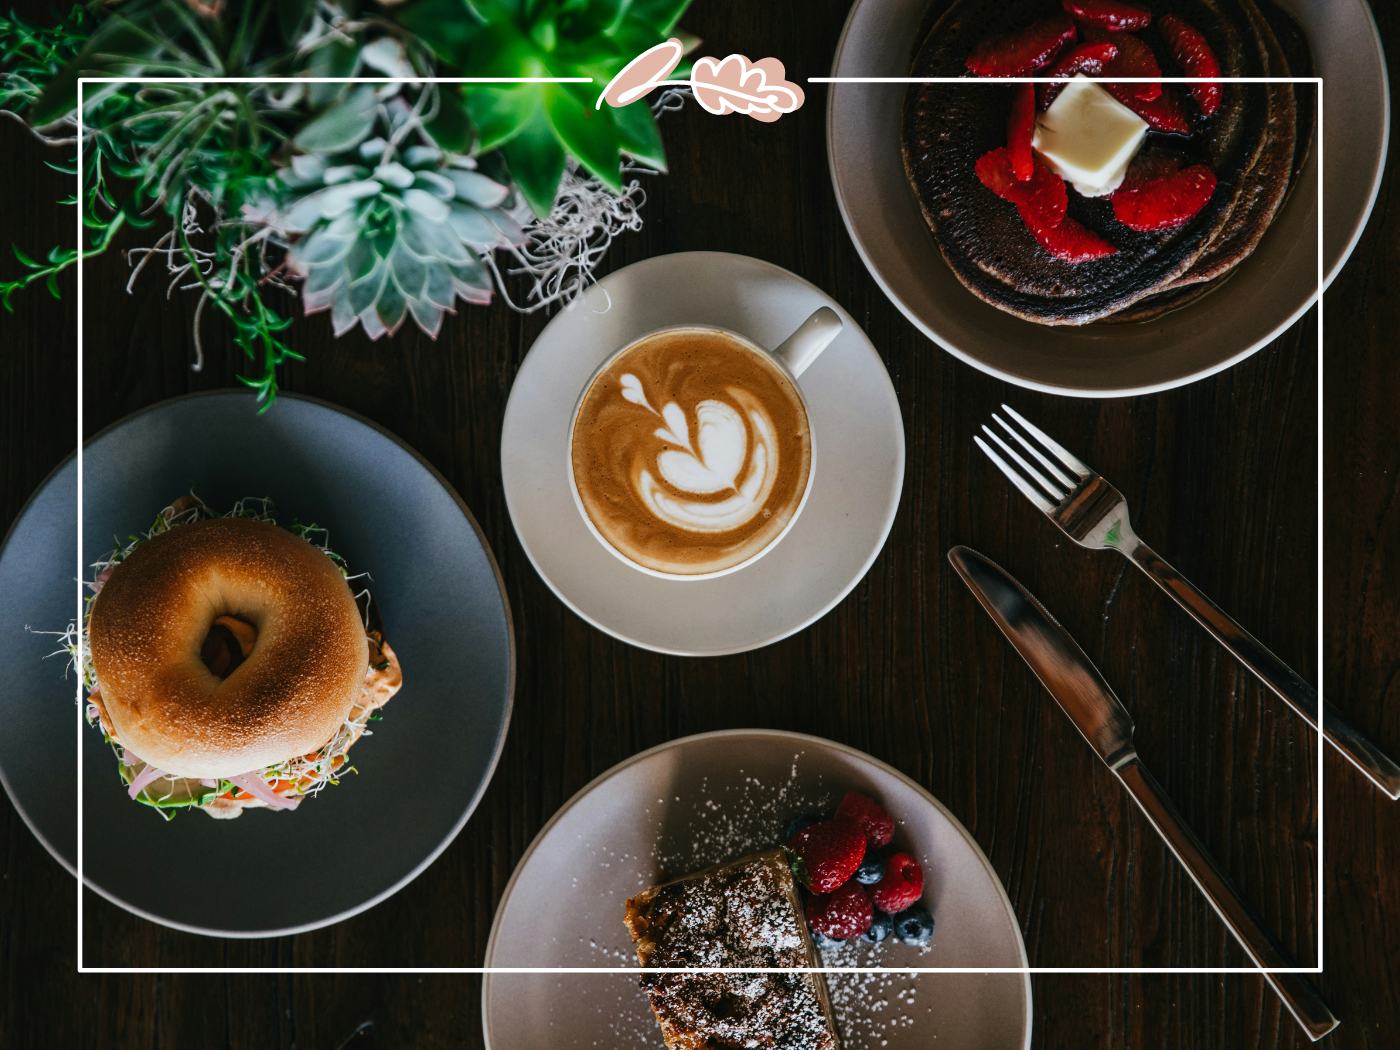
(1221,476)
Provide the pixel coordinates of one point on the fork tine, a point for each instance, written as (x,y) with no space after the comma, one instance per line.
(1051,490)
(1059,474)
(1078,466)
(1026,488)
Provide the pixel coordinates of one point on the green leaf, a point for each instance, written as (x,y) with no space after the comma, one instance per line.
(536,164)
(53,285)
(638,134)
(452,127)
(589,134)
(661,15)
(1113,534)
(26,260)
(501,113)
(495,10)
(117,43)
(447,26)
(291,15)
(343,126)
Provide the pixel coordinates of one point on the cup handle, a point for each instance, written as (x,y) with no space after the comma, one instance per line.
(801,348)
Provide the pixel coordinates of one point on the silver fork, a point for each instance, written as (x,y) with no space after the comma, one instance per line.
(1094,514)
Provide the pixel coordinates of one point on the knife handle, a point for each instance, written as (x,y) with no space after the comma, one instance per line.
(1302,1002)
(1268,668)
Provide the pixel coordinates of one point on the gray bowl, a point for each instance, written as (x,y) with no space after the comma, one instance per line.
(1266,294)
(433,576)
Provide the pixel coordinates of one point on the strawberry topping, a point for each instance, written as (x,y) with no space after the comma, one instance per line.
(1069,241)
(1020,129)
(845,914)
(1166,202)
(1147,168)
(1134,59)
(902,885)
(1110,14)
(1088,58)
(1163,113)
(1019,54)
(1043,195)
(1193,54)
(868,815)
(831,851)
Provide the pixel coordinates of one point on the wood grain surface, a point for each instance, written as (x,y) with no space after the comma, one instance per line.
(1222,480)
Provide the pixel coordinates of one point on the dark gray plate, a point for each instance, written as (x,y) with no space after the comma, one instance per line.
(445,613)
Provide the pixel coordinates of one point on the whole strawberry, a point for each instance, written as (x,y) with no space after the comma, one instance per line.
(868,815)
(902,885)
(830,851)
(842,915)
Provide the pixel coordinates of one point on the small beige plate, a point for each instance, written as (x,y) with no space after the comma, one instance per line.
(1267,293)
(703,799)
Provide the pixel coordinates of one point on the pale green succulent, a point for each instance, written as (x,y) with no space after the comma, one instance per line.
(387,230)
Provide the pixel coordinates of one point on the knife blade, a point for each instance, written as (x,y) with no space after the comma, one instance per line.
(1080,690)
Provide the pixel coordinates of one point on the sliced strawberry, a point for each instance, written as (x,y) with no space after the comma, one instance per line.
(902,885)
(1147,168)
(844,914)
(831,851)
(869,815)
(1134,59)
(1163,113)
(1043,195)
(1018,54)
(1087,58)
(1165,202)
(1069,241)
(1193,54)
(1110,14)
(1020,129)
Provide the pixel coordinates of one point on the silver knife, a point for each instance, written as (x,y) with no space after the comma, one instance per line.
(1080,690)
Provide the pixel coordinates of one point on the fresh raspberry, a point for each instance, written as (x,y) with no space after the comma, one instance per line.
(1088,58)
(1191,52)
(1044,196)
(831,852)
(1163,113)
(1069,242)
(1164,202)
(1020,130)
(844,914)
(1110,14)
(1018,54)
(1134,59)
(902,885)
(868,815)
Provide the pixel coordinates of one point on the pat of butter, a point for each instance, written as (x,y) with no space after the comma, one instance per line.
(1087,137)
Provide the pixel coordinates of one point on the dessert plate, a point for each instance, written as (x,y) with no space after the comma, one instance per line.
(314,461)
(1267,293)
(858,437)
(704,799)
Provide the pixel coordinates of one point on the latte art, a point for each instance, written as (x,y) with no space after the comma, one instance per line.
(712,465)
(709,478)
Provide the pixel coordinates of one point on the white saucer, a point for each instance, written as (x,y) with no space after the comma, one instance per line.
(857,428)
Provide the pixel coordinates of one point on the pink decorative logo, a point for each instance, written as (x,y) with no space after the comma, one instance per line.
(735,85)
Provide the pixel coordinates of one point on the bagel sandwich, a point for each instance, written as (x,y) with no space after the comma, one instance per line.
(228,661)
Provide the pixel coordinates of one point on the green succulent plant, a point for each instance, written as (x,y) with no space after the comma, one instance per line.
(384,230)
(536,125)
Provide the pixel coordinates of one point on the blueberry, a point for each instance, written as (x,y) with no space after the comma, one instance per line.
(796,824)
(914,925)
(872,867)
(880,927)
(821,940)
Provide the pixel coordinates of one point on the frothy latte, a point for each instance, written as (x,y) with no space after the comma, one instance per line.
(691,452)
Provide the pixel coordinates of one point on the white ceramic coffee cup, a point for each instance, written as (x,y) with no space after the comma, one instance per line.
(792,357)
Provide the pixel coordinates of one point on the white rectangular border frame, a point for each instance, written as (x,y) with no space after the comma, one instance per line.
(81,567)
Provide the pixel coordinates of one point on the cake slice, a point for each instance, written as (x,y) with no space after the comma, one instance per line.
(746,913)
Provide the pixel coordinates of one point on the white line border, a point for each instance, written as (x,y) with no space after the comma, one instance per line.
(1001,81)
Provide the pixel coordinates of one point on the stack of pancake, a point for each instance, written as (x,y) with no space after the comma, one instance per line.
(1256,143)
